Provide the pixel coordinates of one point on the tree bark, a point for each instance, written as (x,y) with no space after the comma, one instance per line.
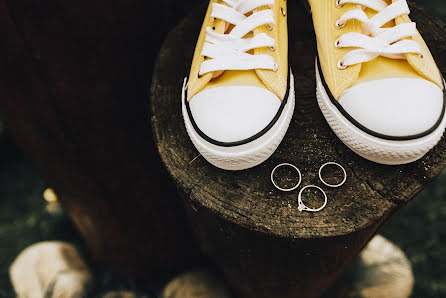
(74,79)
(256,235)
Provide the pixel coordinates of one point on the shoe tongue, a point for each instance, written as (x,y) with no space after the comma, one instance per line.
(414,66)
(371,13)
(227,30)
(255,76)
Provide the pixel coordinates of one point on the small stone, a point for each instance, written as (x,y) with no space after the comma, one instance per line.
(50,196)
(383,271)
(53,207)
(196,284)
(50,269)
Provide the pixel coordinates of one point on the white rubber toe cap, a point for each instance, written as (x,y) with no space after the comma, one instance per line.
(233,113)
(397,107)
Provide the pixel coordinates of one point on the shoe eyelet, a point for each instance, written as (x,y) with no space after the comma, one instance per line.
(282,10)
(199,76)
(269,27)
(276,67)
(338,4)
(339,25)
(421,56)
(337,44)
(273,48)
(341,65)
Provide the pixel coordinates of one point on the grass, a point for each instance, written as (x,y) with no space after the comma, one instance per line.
(419,229)
(25,221)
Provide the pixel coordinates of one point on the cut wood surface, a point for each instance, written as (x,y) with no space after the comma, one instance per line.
(255,233)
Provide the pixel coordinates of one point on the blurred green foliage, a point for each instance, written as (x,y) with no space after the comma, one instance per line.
(419,229)
(25,221)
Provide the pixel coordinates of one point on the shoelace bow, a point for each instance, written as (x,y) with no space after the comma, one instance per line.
(229,51)
(376,41)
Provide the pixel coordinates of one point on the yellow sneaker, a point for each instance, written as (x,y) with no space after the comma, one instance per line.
(377,83)
(238,101)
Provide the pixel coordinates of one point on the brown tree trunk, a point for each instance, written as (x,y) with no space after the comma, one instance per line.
(254,233)
(74,80)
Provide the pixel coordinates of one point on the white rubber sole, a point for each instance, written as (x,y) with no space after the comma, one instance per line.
(247,155)
(388,152)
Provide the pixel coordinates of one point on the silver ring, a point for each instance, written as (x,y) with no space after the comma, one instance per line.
(332,185)
(301,206)
(286,189)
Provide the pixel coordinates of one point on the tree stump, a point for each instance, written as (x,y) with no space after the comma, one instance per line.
(254,233)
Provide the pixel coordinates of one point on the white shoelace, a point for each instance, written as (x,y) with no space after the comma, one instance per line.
(229,51)
(376,41)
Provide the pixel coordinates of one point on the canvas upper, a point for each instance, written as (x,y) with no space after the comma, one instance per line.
(326,13)
(234,105)
(390,98)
